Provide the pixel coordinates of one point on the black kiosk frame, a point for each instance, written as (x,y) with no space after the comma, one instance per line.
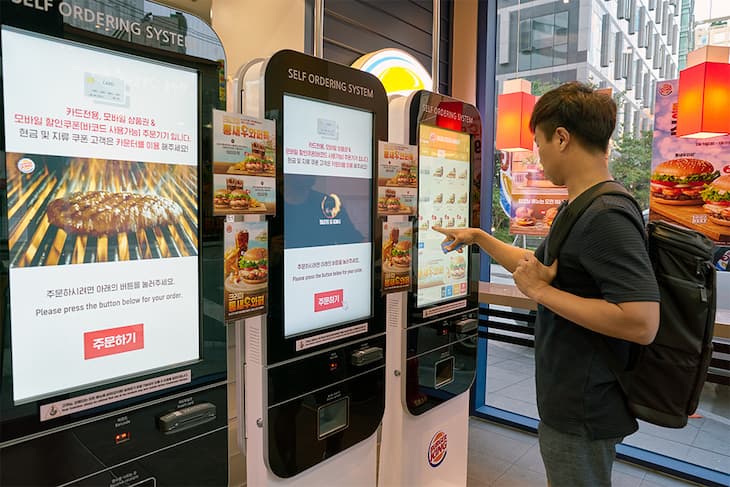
(323,381)
(441,335)
(174,435)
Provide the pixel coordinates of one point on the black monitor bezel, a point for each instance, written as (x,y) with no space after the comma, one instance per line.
(278,83)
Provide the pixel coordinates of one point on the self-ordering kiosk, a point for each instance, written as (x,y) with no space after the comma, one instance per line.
(431,329)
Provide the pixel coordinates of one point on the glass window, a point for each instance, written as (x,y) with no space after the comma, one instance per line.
(603,52)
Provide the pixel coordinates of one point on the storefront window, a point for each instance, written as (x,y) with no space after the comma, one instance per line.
(633,50)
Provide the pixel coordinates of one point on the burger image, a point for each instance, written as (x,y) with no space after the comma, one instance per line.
(268,166)
(452,173)
(524,216)
(392,203)
(234,183)
(462,198)
(382,203)
(550,215)
(680,181)
(457,266)
(438,198)
(405,177)
(439,171)
(462,174)
(221,198)
(253,164)
(254,266)
(239,199)
(401,254)
(717,200)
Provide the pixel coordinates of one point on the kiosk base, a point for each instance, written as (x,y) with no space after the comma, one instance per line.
(425,450)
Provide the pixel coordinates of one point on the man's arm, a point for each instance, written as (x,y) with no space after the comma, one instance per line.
(505,254)
(635,321)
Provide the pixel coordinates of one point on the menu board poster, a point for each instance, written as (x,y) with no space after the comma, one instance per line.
(246,269)
(244,164)
(690,178)
(397,244)
(102,214)
(397,179)
(529,199)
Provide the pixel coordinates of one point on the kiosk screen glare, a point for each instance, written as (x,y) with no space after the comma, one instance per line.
(443,200)
(102,216)
(328,170)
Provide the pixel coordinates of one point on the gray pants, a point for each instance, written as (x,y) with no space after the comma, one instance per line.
(576,461)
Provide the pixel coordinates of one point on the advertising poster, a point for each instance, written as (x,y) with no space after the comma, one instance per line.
(530,200)
(690,178)
(328,180)
(444,186)
(102,190)
(244,164)
(397,179)
(397,244)
(246,269)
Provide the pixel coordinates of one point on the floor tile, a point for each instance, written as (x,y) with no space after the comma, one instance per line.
(520,477)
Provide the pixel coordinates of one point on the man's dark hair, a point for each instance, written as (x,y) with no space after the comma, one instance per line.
(588,115)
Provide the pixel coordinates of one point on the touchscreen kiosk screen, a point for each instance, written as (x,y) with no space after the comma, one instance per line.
(443,200)
(328,171)
(102,214)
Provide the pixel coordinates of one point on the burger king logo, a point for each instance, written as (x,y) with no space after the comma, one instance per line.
(665,89)
(437,449)
(26,166)
(399,72)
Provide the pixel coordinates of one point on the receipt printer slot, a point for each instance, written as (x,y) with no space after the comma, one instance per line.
(185,418)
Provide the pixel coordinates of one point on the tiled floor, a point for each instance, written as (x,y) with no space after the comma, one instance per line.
(505,457)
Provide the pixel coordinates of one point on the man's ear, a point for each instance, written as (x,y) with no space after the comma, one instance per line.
(563,137)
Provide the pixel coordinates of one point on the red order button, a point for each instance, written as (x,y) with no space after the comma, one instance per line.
(328,300)
(113,340)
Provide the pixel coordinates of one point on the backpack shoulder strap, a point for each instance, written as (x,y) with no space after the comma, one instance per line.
(562,225)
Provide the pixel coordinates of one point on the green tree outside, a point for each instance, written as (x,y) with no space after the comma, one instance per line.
(630,164)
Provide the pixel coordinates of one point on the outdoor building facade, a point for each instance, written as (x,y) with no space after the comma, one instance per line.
(625,45)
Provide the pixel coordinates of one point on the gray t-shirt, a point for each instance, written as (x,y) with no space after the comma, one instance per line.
(604,256)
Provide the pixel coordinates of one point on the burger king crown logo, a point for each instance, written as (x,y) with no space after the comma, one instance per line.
(437,449)
(665,89)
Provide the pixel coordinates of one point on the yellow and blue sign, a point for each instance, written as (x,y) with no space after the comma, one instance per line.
(399,72)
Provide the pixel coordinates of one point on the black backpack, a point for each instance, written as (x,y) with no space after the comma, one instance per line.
(664,383)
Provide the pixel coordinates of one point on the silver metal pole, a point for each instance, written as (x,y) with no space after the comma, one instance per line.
(435,43)
(318,27)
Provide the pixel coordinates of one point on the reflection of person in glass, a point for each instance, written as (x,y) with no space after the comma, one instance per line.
(317,219)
